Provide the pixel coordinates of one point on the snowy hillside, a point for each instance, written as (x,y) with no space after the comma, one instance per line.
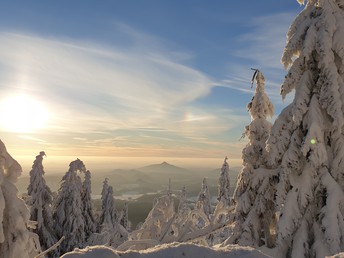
(169,251)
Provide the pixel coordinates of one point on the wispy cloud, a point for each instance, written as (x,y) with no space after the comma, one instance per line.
(260,48)
(137,98)
(117,100)
(90,87)
(265,43)
(34,139)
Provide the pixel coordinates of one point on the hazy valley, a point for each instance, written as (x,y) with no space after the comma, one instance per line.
(139,187)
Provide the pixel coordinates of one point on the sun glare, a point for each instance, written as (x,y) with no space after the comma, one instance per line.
(22,114)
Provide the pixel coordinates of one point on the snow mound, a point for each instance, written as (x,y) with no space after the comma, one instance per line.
(340,255)
(174,250)
(98,251)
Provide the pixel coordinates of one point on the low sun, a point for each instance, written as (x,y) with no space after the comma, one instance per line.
(22,114)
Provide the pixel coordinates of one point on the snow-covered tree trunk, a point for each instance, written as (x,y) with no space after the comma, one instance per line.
(68,209)
(87,209)
(15,238)
(40,203)
(307,142)
(254,193)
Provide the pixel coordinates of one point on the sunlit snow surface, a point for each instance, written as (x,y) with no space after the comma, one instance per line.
(340,255)
(174,250)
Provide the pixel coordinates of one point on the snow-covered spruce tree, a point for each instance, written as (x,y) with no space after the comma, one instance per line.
(254,193)
(183,207)
(111,232)
(109,213)
(224,184)
(15,238)
(103,199)
(87,209)
(125,216)
(68,217)
(307,141)
(182,216)
(158,223)
(204,199)
(40,203)
(109,216)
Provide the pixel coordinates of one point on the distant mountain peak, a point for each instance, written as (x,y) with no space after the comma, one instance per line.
(163,167)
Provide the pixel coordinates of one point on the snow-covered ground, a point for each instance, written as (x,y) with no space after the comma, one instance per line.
(174,250)
(340,255)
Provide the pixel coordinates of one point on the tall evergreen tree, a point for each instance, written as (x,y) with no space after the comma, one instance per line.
(182,202)
(125,216)
(108,218)
(103,197)
(40,203)
(204,199)
(254,193)
(224,184)
(15,238)
(87,209)
(110,230)
(179,224)
(307,141)
(68,209)
(158,222)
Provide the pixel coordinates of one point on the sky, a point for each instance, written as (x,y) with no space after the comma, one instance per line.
(159,79)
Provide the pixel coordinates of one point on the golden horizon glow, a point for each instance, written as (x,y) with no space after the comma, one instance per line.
(22,114)
(59,164)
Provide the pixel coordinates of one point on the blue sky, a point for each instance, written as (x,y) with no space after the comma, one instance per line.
(136,78)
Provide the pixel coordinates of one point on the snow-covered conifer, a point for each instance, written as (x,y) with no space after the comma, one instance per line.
(15,238)
(158,223)
(125,216)
(67,214)
(307,141)
(104,190)
(87,209)
(224,184)
(103,197)
(204,199)
(182,207)
(254,193)
(182,216)
(111,232)
(109,216)
(40,203)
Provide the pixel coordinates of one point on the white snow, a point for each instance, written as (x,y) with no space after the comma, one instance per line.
(340,255)
(173,250)
(40,203)
(15,238)
(306,141)
(254,193)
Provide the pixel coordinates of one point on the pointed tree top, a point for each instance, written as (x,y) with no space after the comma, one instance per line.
(260,105)
(255,74)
